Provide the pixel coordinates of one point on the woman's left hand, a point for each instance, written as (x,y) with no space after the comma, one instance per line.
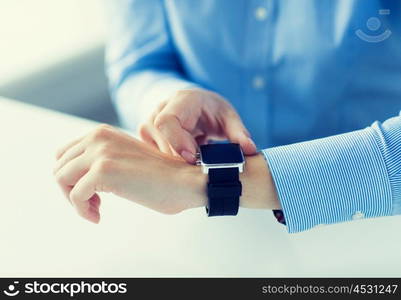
(109,160)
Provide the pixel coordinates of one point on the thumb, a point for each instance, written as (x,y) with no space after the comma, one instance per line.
(236,132)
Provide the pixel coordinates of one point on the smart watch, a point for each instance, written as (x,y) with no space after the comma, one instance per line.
(222,162)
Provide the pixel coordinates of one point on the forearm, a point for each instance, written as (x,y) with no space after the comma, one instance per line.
(258,190)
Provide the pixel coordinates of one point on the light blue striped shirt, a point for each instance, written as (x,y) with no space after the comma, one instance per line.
(295,70)
(339,178)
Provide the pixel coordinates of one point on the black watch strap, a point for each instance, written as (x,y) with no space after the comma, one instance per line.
(224,190)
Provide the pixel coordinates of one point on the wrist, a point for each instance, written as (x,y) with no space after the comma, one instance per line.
(258,190)
(193,182)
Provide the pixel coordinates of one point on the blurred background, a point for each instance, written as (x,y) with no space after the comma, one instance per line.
(52,55)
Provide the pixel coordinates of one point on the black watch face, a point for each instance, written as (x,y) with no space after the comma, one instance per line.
(221,154)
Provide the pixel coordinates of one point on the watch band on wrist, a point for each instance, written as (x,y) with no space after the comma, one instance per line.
(222,162)
(224,190)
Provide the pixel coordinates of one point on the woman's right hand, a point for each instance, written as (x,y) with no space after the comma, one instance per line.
(190,118)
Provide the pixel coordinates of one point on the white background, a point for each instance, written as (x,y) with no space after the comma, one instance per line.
(39,33)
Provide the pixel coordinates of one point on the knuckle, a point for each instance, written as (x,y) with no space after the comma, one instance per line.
(102,132)
(188,97)
(184,93)
(61,179)
(162,119)
(105,166)
(104,151)
(105,126)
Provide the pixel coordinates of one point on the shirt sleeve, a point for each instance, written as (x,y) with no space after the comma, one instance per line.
(339,178)
(141,61)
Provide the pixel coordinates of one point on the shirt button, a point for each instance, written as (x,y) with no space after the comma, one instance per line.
(258,82)
(358,215)
(261,13)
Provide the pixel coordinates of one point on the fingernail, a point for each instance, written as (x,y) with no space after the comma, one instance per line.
(188,156)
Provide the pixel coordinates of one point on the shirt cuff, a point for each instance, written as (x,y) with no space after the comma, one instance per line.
(388,138)
(330,180)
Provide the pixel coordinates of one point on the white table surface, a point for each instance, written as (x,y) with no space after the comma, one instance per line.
(41,235)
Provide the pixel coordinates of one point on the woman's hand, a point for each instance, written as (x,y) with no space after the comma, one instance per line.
(190,118)
(108,160)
